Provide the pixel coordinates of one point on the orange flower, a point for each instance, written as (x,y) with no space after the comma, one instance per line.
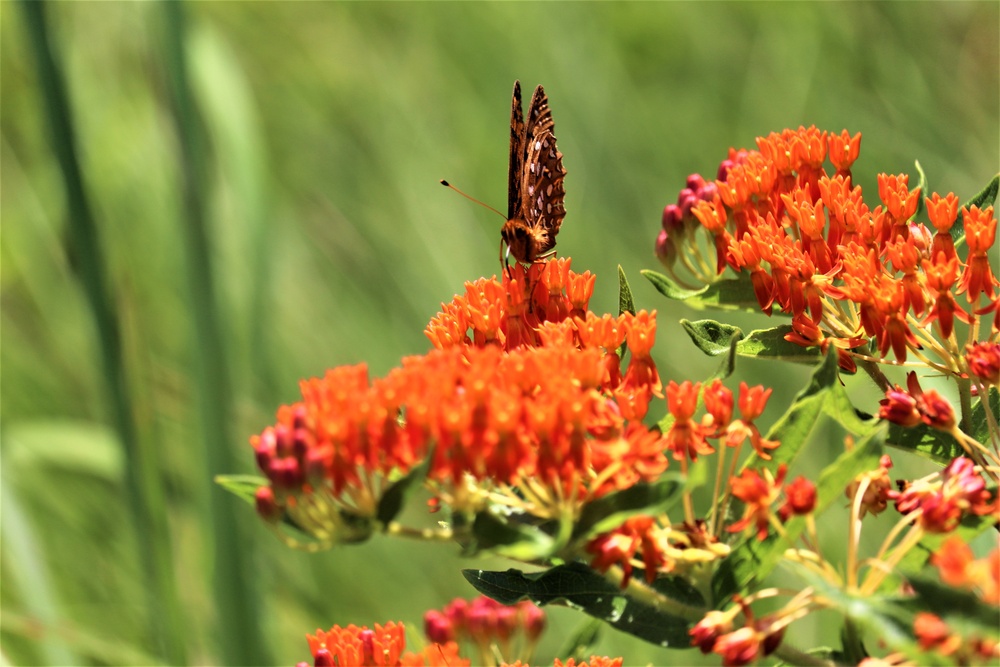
(844,271)
(686,437)
(751,403)
(359,646)
(758,493)
(595,661)
(844,150)
(800,498)
(980,233)
(952,560)
(619,547)
(518,387)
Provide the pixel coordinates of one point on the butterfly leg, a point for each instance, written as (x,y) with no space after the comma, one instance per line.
(505,261)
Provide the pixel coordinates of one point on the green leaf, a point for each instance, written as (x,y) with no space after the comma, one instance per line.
(520,541)
(884,618)
(610,511)
(669,288)
(752,560)
(711,337)
(987,196)
(771,343)
(922,184)
(715,338)
(732,294)
(578,586)
(728,365)
(625,302)
(824,395)
(926,441)
(243,487)
(580,644)
(980,424)
(63,444)
(794,427)
(394,498)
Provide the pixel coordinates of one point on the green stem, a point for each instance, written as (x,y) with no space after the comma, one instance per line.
(875,373)
(793,656)
(143,483)
(234,590)
(965,400)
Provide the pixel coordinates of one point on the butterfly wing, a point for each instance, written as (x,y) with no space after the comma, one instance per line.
(542,174)
(517,146)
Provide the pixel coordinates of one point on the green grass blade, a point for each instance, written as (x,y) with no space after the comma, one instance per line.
(234,595)
(142,478)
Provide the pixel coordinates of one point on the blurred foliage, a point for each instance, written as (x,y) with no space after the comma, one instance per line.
(329,125)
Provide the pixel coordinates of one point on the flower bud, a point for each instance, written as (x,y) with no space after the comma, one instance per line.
(267,505)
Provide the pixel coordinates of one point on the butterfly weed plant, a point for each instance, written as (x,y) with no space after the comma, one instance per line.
(537,430)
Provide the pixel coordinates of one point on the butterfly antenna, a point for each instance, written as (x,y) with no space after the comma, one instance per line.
(449,185)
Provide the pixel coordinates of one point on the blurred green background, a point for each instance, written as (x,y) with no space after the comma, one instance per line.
(262,179)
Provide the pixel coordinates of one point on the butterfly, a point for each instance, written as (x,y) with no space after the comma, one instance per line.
(535,190)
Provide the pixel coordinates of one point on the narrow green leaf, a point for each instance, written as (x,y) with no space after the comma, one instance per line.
(987,196)
(625,302)
(752,559)
(795,426)
(924,188)
(863,456)
(731,294)
(926,441)
(771,343)
(243,487)
(884,618)
(580,587)
(728,365)
(394,498)
(669,288)
(612,510)
(580,644)
(525,542)
(822,396)
(980,424)
(711,337)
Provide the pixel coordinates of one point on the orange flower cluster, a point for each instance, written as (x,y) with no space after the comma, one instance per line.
(959,569)
(382,646)
(843,270)
(934,636)
(534,391)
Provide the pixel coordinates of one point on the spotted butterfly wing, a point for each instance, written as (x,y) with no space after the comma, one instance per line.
(535,192)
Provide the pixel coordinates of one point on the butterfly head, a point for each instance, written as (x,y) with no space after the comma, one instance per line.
(526,243)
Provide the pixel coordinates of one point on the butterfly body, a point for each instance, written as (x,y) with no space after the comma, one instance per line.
(535,174)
